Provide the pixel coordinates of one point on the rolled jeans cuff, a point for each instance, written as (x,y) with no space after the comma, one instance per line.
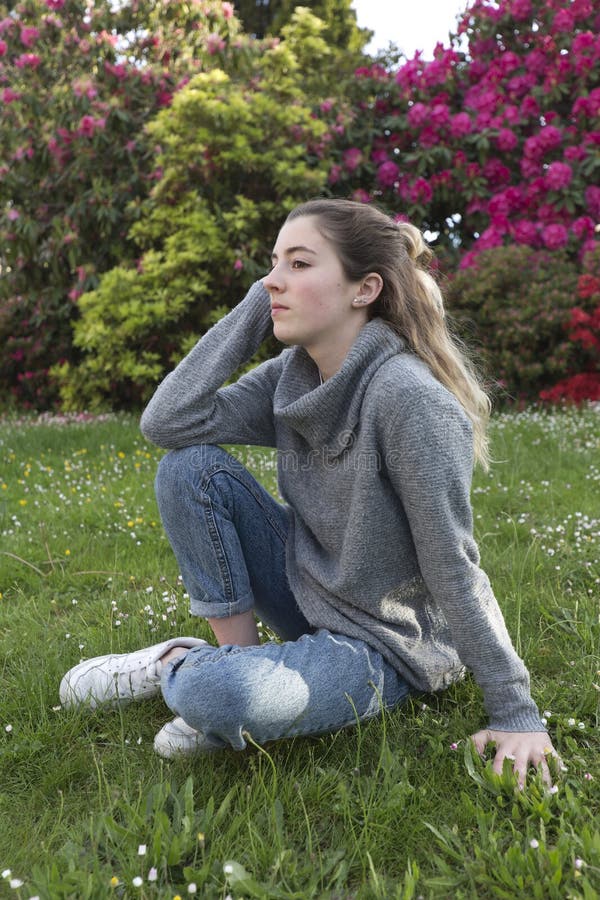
(221,609)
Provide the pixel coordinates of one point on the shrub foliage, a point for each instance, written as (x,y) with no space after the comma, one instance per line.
(233,160)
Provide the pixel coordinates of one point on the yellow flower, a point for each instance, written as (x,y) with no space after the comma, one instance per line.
(67,552)
(114,881)
(22,502)
(121,455)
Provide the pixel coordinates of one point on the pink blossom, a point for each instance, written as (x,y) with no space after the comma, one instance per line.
(558,175)
(529,108)
(119,70)
(3,48)
(440,115)
(352,158)
(575,153)
(29,36)
(460,125)
(496,172)
(417,115)
(536,62)
(86,126)
(547,213)
(164,97)
(550,137)
(529,168)
(55,4)
(334,174)
(238,265)
(326,106)
(420,191)
(387,174)
(429,137)
(533,148)
(583,227)
(28,59)
(525,232)
(555,236)
(498,205)
(227,10)
(506,139)
(9,96)
(592,201)
(491,237)
(520,9)
(583,41)
(563,21)
(468,260)
(214,43)
(361,196)
(512,116)
(379,156)
(13,214)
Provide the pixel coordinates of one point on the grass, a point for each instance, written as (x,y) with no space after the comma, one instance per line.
(398,808)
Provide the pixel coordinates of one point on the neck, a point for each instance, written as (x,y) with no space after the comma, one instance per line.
(329,356)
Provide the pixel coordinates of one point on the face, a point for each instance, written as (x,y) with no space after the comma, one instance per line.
(311,298)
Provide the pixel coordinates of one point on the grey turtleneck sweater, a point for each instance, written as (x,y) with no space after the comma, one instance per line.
(375,466)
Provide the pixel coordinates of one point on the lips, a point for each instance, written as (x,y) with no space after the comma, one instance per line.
(276,308)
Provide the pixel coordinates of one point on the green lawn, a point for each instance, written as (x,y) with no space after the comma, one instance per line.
(398,808)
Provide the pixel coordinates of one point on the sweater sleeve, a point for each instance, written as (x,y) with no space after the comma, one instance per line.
(190,406)
(429,461)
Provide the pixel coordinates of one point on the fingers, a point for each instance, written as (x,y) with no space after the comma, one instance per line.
(481,740)
(543,765)
(522,749)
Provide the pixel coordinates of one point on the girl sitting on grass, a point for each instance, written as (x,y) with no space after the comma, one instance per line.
(369,572)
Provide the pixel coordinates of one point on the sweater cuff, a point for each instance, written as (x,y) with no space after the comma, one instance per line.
(510,707)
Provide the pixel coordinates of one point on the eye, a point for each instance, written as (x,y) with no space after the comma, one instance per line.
(299,264)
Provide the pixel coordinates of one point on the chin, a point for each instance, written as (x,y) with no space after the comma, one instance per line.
(285,338)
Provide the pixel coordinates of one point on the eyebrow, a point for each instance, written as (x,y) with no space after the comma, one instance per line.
(300,248)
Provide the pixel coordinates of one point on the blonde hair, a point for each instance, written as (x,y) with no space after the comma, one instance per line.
(367,240)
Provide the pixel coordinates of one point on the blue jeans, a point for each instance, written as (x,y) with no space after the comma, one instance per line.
(229,535)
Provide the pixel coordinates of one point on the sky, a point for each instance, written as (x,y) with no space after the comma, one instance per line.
(411,24)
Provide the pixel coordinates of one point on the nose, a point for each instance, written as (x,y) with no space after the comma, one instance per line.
(272,280)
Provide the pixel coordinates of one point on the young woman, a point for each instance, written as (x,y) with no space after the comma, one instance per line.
(369,572)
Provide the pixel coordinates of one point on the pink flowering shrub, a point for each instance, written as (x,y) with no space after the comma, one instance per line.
(78,83)
(492,142)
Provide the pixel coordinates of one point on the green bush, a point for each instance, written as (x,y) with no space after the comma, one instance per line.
(233,161)
(514,305)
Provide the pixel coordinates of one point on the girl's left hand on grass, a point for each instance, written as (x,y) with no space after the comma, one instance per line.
(526,748)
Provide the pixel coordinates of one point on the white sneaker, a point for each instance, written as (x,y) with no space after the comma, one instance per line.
(177,738)
(118,678)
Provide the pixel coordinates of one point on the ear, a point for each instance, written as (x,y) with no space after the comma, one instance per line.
(371,287)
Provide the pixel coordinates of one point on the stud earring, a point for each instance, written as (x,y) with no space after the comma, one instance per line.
(359,300)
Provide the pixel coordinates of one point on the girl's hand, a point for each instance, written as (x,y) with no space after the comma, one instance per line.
(524,747)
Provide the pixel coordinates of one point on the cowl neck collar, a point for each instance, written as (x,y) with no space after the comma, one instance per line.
(325,415)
